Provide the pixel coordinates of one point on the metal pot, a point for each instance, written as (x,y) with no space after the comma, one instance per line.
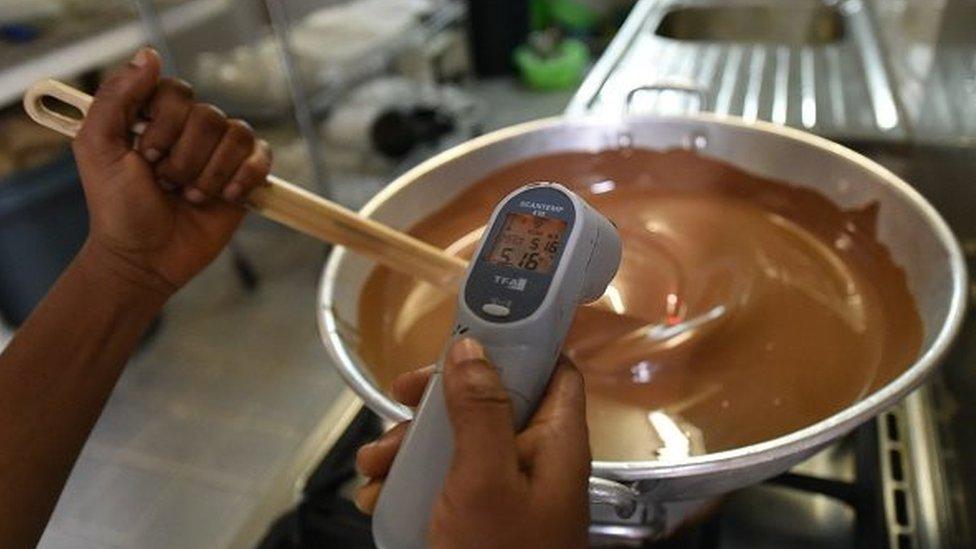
(919,240)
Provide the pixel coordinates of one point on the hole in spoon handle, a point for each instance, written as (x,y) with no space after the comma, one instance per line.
(38,97)
(48,92)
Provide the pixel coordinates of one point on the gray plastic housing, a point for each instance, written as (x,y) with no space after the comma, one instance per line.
(524,346)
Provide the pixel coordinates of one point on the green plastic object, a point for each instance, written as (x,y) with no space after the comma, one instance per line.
(564,69)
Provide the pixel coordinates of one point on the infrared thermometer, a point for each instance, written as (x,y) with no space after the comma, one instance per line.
(544,252)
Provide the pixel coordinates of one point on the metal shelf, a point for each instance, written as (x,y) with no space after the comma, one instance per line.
(98,43)
(311,102)
(379,61)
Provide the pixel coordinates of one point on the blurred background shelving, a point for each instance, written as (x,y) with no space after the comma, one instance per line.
(98,33)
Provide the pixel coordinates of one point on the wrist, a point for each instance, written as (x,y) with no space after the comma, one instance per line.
(109,269)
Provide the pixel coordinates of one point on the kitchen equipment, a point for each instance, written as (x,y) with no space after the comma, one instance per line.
(287,203)
(919,241)
(546,252)
(390,117)
(551,62)
(812,65)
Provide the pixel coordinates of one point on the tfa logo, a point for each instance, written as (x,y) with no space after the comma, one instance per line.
(517,284)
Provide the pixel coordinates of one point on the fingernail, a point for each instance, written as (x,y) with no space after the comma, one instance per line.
(167,185)
(233,191)
(194,195)
(466,350)
(152,155)
(141,58)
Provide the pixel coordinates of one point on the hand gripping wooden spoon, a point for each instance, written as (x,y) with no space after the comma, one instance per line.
(287,204)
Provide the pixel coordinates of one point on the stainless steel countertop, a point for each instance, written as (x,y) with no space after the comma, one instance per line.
(903,83)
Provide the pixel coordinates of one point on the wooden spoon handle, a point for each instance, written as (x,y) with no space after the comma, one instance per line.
(287,203)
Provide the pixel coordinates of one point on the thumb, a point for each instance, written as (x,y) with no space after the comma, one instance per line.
(106,129)
(480,412)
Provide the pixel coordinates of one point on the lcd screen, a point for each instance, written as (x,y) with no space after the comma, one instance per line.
(528,242)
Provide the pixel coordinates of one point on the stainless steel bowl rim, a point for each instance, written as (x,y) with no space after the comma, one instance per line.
(746,456)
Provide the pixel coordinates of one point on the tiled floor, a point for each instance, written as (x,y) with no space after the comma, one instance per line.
(222,396)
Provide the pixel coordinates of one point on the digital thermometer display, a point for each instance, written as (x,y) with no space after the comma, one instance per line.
(528,242)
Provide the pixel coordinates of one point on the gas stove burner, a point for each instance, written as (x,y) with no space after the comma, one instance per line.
(855,494)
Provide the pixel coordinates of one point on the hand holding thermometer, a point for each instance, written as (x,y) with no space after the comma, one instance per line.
(545,252)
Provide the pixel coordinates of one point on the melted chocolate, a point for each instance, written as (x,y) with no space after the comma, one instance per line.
(748,308)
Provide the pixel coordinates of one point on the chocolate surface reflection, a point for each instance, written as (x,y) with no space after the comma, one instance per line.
(744,308)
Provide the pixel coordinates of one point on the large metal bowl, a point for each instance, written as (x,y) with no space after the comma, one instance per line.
(919,240)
